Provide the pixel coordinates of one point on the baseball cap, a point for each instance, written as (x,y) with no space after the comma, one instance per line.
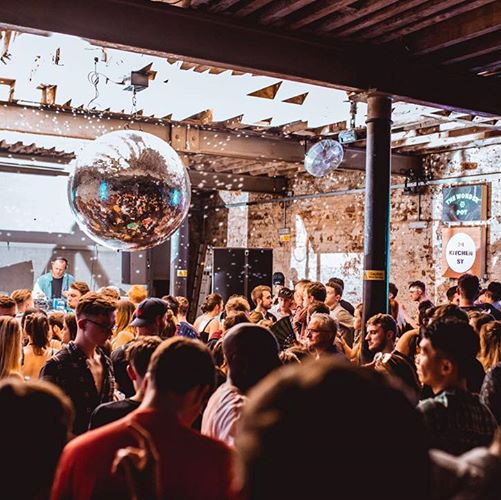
(278,279)
(286,293)
(148,310)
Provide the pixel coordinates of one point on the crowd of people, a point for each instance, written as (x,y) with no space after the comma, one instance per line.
(287,395)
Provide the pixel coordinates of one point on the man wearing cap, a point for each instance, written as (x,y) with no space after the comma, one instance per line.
(150,320)
(284,305)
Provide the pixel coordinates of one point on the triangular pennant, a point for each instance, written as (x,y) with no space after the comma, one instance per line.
(297,99)
(267,92)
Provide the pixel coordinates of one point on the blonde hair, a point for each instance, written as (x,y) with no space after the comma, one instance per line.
(137,293)
(10,346)
(124,315)
(21,296)
(237,303)
(490,344)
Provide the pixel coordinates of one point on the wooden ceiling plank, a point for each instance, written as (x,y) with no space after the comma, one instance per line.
(250,8)
(319,10)
(385,17)
(221,5)
(467,50)
(415,14)
(458,29)
(282,8)
(370,7)
(219,41)
(488,62)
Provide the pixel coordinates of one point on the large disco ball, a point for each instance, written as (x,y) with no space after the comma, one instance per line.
(129,191)
(323,157)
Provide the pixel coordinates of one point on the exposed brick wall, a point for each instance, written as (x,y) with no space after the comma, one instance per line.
(335,224)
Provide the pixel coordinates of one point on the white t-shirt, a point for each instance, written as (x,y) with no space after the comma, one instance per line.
(223,412)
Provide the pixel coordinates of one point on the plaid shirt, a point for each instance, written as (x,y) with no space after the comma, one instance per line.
(68,370)
(457,421)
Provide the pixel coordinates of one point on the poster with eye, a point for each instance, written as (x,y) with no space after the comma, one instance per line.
(463,251)
(465,203)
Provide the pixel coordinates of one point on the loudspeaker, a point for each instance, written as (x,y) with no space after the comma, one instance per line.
(240,270)
(136,267)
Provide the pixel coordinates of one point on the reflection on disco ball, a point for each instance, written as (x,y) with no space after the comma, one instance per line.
(129,191)
(323,157)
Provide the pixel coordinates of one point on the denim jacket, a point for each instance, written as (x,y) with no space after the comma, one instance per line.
(44,284)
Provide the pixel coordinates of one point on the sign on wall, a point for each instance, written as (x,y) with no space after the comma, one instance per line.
(463,251)
(465,203)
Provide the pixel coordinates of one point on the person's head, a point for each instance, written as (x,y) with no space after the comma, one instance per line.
(58,267)
(278,280)
(321,332)
(396,365)
(314,291)
(339,281)
(172,303)
(151,317)
(334,292)
(213,304)
(26,317)
(317,307)
(358,435)
(138,354)
(237,303)
(184,305)
(10,346)
(95,315)
(234,319)
(56,324)
(69,328)
(285,298)
(452,295)
(381,332)
(7,306)
(23,299)
(255,317)
(299,291)
(137,293)
(449,311)
(180,376)
(479,319)
(392,291)
(75,291)
(124,315)
(417,291)
(468,287)
(170,327)
(490,344)
(494,289)
(251,352)
(111,292)
(425,312)
(38,330)
(448,349)
(261,296)
(33,432)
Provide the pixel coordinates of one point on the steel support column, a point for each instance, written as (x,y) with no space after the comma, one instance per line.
(377,209)
(179,245)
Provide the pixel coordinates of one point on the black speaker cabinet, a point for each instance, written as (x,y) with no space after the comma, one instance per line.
(239,270)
